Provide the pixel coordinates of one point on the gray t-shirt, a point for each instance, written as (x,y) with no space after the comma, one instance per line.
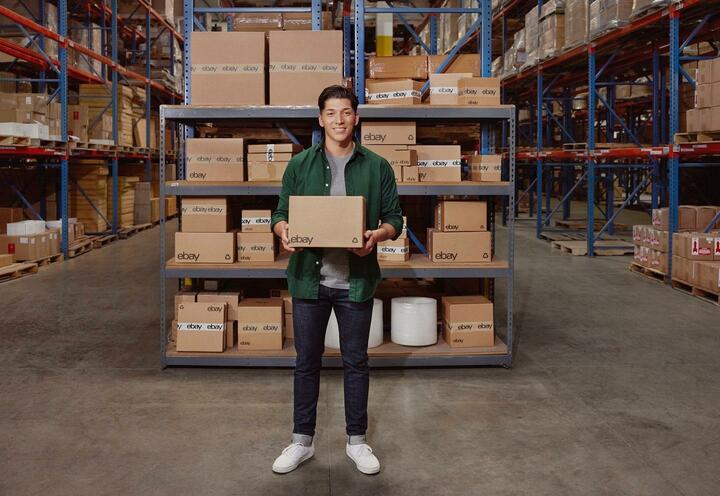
(335,269)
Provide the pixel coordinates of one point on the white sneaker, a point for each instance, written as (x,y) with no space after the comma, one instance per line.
(362,455)
(291,457)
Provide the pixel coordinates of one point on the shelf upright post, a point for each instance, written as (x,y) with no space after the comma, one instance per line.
(591,151)
(64,162)
(347,38)
(567,172)
(316,26)
(674,121)
(186,131)
(116,116)
(538,149)
(657,95)
(360,50)
(163,280)
(485,50)
(433,34)
(609,174)
(148,96)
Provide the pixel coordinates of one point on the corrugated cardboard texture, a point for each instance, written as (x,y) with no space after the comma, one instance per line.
(461,216)
(204,247)
(205,214)
(459,247)
(400,67)
(343,229)
(388,133)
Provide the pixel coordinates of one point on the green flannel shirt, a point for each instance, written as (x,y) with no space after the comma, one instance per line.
(366,174)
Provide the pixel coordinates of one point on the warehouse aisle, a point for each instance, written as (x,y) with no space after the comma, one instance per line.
(86,410)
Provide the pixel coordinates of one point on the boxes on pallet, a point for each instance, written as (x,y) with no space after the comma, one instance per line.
(461,216)
(88,183)
(459,247)
(215,159)
(222,76)
(255,247)
(708,276)
(260,323)
(257,221)
(438,163)
(54,241)
(552,35)
(302,63)
(393,91)
(485,168)
(142,210)
(444,88)
(399,67)
(343,230)
(205,214)
(201,327)
(394,251)
(25,247)
(468,321)
(9,215)
(6,259)
(215,248)
(125,200)
(463,63)
(388,133)
(231,300)
(687,218)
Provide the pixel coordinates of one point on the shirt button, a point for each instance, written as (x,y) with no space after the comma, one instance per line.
(317,263)
(326,185)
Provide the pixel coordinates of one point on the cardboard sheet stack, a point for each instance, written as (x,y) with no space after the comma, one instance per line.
(393,142)
(92,177)
(268,162)
(131,102)
(460,234)
(606,15)
(706,114)
(576,23)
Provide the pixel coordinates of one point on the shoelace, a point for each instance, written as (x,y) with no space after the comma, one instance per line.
(368,450)
(292,448)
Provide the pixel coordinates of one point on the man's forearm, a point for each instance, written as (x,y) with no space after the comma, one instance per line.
(387,231)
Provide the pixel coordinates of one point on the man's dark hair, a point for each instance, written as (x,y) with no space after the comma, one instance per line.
(337,91)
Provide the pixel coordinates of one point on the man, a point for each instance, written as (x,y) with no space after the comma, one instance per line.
(345,280)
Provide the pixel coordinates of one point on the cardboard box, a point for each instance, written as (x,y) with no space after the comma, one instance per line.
(388,133)
(154,209)
(201,327)
(344,229)
(257,221)
(439,163)
(274,157)
(255,247)
(468,321)
(205,214)
(224,76)
(705,215)
(410,174)
(459,247)
(9,215)
(708,276)
(260,323)
(289,329)
(698,246)
(658,239)
(486,168)
(183,297)
(232,300)
(444,88)
(285,296)
(396,155)
(479,91)
(205,247)
(703,96)
(17,115)
(274,151)
(6,259)
(398,67)
(43,245)
(679,269)
(54,241)
(266,171)
(393,91)
(464,64)
(461,216)
(394,251)
(708,71)
(215,159)
(302,63)
(687,218)
(22,247)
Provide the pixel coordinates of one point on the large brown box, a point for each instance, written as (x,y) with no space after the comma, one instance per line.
(6,259)
(205,214)
(464,63)
(26,247)
(439,163)
(54,241)
(343,229)
(393,91)
(708,276)
(461,216)
(705,215)
(201,327)
(444,88)
(260,323)
(227,68)
(388,133)
(232,300)
(266,171)
(255,247)
(394,251)
(9,215)
(485,168)
(687,218)
(215,159)
(468,321)
(302,63)
(257,221)
(398,67)
(204,247)
(271,151)
(459,247)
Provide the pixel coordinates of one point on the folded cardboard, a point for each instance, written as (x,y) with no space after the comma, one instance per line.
(464,63)
(468,321)
(439,163)
(215,159)
(485,168)
(461,216)
(205,214)
(410,174)
(459,247)
(201,327)
(394,251)
(257,221)
(266,171)
(302,63)
(232,300)
(479,91)
(255,247)
(687,218)
(204,247)
(396,155)
(227,68)
(393,91)
(444,88)
(388,133)
(398,67)
(343,229)
(260,323)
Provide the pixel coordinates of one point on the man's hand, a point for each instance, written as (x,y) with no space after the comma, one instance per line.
(371,239)
(281,231)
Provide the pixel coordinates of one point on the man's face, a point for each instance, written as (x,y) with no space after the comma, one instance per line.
(338,119)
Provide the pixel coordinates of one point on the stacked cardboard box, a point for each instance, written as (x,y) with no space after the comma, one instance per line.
(255,241)
(460,233)
(532,37)
(606,15)
(90,36)
(131,108)
(290,21)
(92,177)
(284,294)
(28,240)
(651,247)
(201,326)
(260,324)
(641,6)
(485,168)
(576,23)
(516,56)
(696,259)
(231,300)
(125,200)
(141,207)
(205,236)
(215,159)
(395,250)
(468,321)
(706,114)
(12,33)
(392,141)
(552,31)
(268,162)
(439,163)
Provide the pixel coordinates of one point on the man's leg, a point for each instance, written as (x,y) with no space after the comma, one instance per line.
(354,325)
(310,318)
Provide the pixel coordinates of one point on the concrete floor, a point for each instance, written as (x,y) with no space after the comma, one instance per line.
(616,391)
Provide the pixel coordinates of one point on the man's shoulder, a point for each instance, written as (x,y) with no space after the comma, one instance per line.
(304,156)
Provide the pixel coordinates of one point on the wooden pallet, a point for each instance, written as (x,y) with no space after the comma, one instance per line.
(42,262)
(17,270)
(581,224)
(653,274)
(102,240)
(603,247)
(80,247)
(706,295)
(14,141)
(698,137)
(563,236)
(683,286)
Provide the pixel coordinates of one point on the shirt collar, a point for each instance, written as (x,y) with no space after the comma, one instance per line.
(358,149)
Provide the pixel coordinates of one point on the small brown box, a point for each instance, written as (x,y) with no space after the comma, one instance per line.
(393,91)
(439,163)
(215,159)
(459,247)
(398,67)
(201,327)
(257,221)
(394,251)
(389,133)
(260,323)
(344,229)
(461,216)
(486,168)
(205,247)
(183,297)
(479,91)
(266,171)
(468,321)
(255,247)
(444,88)
(205,214)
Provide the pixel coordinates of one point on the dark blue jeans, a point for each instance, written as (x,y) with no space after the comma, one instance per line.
(310,319)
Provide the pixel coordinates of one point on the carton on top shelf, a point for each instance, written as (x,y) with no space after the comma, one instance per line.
(215,159)
(393,91)
(398,67)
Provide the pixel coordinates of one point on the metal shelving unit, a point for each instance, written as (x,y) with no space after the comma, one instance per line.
(35,56)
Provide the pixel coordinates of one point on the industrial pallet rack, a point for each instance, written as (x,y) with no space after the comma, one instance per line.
(33,56)
(388,354)
(605,62)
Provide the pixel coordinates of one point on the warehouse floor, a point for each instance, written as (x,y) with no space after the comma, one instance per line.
(616,390)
